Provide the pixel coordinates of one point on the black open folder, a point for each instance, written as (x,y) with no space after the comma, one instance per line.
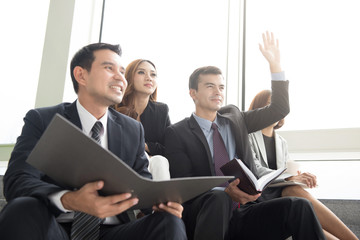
(72,159)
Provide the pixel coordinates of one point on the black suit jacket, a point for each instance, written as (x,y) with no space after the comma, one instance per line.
(186,147)
(125,140)
(155,119)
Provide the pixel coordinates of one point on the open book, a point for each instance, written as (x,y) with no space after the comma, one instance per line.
(286,183)
(248,182)
(68,156)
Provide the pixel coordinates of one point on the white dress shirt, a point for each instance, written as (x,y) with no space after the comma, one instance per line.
(87,122)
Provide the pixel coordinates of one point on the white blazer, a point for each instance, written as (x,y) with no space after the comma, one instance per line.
(258,147)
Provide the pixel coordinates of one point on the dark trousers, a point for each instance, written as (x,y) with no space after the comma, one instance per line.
(29,218)
(276,219)
(207,216)
(210,217)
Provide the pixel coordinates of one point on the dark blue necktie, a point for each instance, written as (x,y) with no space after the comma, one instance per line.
(86,226)
(221,156)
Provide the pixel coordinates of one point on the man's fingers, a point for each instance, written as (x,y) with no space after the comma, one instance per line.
(235,182)
(115,199)
(126,204)
(272,39)
(264,38)
(93,186)
(115,209)
(174,208)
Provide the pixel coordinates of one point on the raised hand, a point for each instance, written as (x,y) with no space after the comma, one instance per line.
(270,50)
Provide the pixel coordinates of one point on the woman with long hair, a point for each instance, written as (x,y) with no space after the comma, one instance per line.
(139,102)
(271,152)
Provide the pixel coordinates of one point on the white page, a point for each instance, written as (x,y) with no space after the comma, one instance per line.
(261,182)
(266,178)
(249,173)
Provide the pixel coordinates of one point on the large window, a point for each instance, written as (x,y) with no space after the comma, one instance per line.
(21,43)
(320,48)
(319,42)
(318,39)
(178,36)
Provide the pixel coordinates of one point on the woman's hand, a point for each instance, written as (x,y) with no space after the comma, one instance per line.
(306,178)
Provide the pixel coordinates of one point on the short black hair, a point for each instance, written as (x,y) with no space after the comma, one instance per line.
(194,77)
(85,57)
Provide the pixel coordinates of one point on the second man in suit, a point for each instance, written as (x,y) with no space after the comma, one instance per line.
(190,147)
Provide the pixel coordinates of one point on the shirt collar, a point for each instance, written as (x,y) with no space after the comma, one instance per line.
(205,124)
(88,120)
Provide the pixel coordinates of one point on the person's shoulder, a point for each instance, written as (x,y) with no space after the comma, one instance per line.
(182,124)
(230,108)
(42,116)
(56,108)
(50,111)
(280,137)
(254,135)
(121,118)
(160,106)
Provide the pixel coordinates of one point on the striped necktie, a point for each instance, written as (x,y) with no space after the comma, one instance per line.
(86,226)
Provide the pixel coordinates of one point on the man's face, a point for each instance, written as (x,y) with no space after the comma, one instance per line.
(210,94)
(105,82)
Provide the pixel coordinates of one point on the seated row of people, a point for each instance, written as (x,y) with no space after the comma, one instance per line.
(195,146)
(269,149)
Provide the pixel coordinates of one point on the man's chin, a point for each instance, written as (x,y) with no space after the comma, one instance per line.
(115,101)
(219,106)
(216,108)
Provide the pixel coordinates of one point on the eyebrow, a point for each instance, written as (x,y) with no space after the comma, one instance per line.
(112,64)
(143,69)
(107,63)
(213,84)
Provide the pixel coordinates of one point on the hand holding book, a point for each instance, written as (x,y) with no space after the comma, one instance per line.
(248,182)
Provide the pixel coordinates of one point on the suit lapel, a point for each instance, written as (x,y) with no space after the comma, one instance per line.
(280,162)
(115,138)
(235,130)
(72,114)
(114,135)
(195,128)
(260,141)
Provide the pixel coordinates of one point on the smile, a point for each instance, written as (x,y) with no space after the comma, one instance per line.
(216,98)
(116,88)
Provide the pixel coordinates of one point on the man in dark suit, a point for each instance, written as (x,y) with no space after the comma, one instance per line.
(39,208)
(189,147)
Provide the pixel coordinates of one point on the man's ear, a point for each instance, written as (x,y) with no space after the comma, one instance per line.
(192,93)
(80,75)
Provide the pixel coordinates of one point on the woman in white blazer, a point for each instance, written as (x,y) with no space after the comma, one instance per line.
(270,153)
